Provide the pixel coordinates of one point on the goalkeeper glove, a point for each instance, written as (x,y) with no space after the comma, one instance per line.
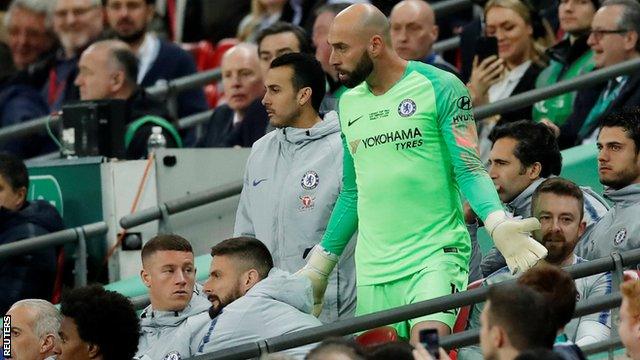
(319,266)
(511,237)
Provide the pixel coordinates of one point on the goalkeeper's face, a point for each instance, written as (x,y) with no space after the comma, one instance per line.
(561,225)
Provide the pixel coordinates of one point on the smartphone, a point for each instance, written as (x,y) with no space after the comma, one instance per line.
(486,46)
(429,339)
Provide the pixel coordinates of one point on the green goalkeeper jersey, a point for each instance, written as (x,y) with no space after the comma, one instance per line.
(406,154)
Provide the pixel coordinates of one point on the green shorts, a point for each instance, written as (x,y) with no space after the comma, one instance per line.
(437,279)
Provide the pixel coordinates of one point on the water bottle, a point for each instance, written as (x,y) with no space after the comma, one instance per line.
(156,140)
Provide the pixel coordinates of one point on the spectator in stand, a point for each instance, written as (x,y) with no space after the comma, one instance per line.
(279,175)
(97,324)
(251,300)
(514,319)
(629,326)
(29,32)
(324,18)
(30,275)
(522,39)
(178,307)
(569,58)
(613,38)
(279,39)
(523,156)
(34,330)
(243,119)
(263,14)
(414,31)
(558,204)
(77,24)
(336,348)
(619,171)
(31,42)
(108,70)
(159,59)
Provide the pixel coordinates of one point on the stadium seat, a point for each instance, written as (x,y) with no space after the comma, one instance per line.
(212,95)
(221,48)
(57,284)
(377,336)
(463,318)
(203,53)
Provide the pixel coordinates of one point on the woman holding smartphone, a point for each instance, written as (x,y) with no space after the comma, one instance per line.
(522,39)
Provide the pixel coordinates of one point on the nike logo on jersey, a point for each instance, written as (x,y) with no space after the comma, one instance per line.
(257,182)
(350,122)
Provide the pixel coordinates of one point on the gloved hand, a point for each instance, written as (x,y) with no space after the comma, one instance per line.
(320,263)
(511,237)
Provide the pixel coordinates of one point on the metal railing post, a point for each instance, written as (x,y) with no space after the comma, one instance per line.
(164,223)
(617,277)
(81,258)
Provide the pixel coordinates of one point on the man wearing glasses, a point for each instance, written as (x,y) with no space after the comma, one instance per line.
(76,23)
(614,39)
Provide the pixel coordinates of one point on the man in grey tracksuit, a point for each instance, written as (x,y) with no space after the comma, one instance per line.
(523,155)
(619,172)
(292,180)
(252,300)
(178,309)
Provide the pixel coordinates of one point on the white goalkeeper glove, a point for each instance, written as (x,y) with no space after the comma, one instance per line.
(512,238)
(319,265)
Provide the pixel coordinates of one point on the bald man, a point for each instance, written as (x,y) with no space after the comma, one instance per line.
(108,70)
(409,140)
(243,119)
(414,31)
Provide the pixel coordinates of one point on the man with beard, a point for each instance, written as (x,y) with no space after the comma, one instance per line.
(251,300)
(523,155)
(159,59)
(559,204)
(619,172)
(178,308)
(409,141)
(298,169)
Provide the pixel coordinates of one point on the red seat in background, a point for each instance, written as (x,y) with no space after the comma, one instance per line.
(377,336)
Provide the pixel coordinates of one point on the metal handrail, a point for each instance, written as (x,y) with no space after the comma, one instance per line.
(182,204)
(184,83)
(439,304)
(77,234)
(579,82)
(612,343)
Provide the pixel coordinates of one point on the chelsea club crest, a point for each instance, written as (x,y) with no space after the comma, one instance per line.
(406,108)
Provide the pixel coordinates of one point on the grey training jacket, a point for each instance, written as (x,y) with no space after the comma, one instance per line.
(292,180)
(280,304)
(167,334)
(619,228)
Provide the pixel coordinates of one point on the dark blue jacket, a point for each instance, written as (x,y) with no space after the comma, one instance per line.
(20,103)
(173,62)
(31,275)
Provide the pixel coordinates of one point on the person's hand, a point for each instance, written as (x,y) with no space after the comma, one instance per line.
(319,265)
(420,353)
(552,126)
(484,74)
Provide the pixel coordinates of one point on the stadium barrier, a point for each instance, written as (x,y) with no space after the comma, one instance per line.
(446,45)
(511,103)
(77,235)
(162,211)
(615,263)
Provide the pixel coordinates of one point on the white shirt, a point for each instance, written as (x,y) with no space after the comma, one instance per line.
(504,88)
(147,54)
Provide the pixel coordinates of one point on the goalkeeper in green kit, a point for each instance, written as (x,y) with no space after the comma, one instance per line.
(409,140)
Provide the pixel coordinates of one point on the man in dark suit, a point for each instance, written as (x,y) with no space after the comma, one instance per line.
(159,59)
(614,39)
(243,119)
